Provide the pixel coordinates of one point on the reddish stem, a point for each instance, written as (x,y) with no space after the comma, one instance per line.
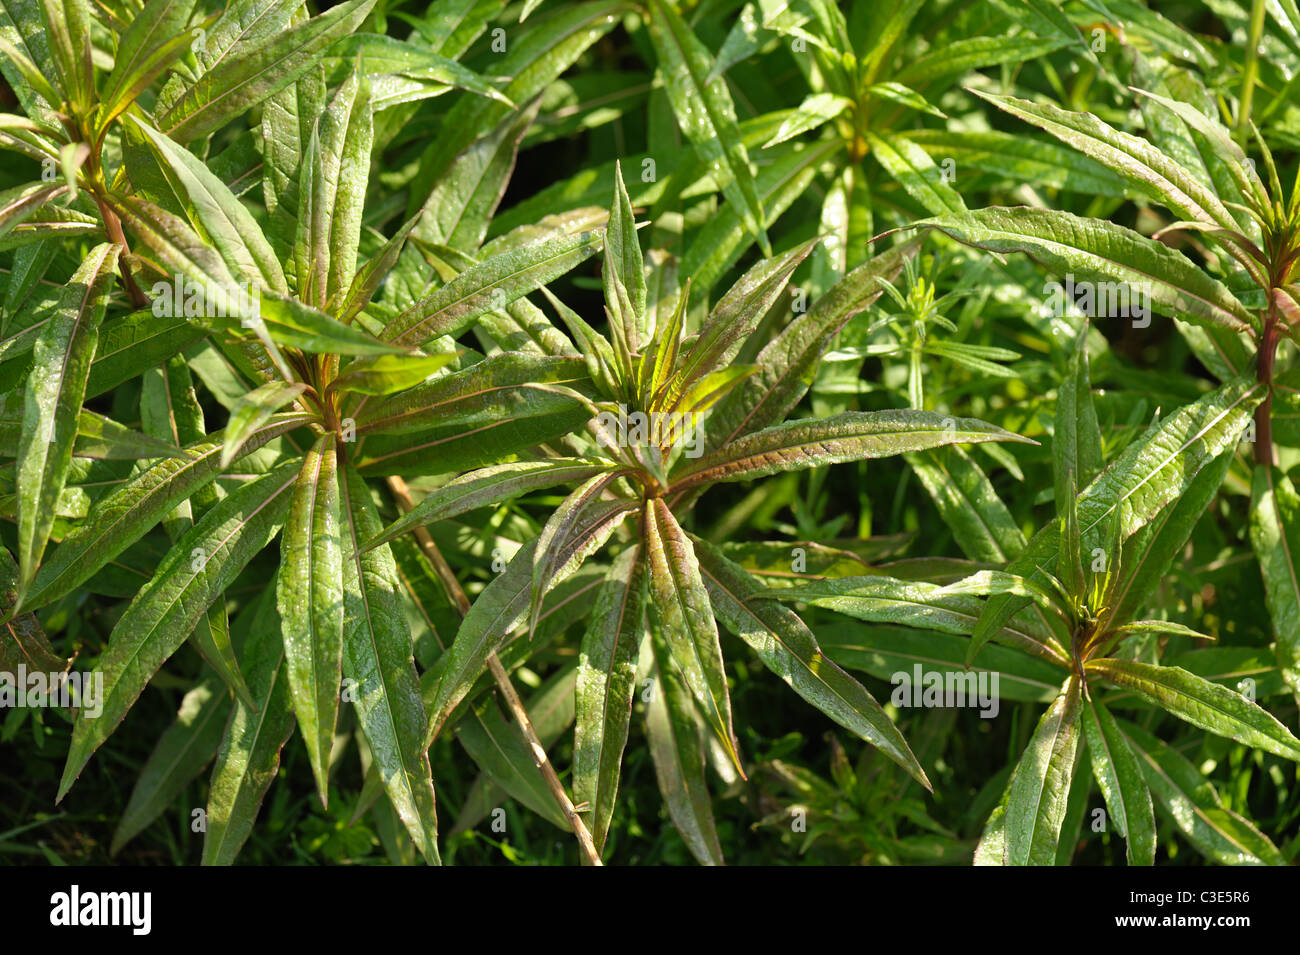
(1264,373)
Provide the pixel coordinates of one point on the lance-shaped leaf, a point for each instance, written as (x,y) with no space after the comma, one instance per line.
(18,203)
(623,276)
(223,219)
(182,751)
(377,658)
(816,110)
(168,608)
(878,598)
(490,285)
(885,651)
(67,23)
(503,606)
(1275,534)
(788,363)
(913,169)
(1120,779)
(1040,785)
(679,757)
(125,515)
(1100,251)
(250,750)
(252,412)
(737,315)
(1208,705)
(969,504)
(788,648)
(244,79)
(170,408)
(371,275)
(62,357)
(607,665)
(290,322)
(310,601)
(156,38)
(705,112)
(509,767)
(388,374)
(336,169)
(1149,475)
(1076,442)
(1191,803)
(680,606)
(569,519)
(488,486)
(1156,174)
(848,436)
(460,207)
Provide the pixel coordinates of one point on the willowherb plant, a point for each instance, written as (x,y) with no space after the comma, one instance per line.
(312,363)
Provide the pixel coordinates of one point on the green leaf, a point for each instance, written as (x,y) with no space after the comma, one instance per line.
(62,357)
(1076,441)
(387,374)
(1198,701)
(492,284)
(607,666)
(968,503)
(18,203)
(737,315)
(250,750)
(1040,784)
(459,210)
(913,169)
(788,648)
(624,271)
(503,606)
(684,616)
(244,79)
(332,193)
(309,598)
(884,651)
(1154,173)
(816,110)
(290,322)
(67,23)
(182,751)
(498,747)
(848,436)
(1191,803)
(252,412)
(223,219)
(377,658)
(126,514)
(156,38)
(1149,475)
(705,112)
(1119,777)
(488,486)
(1275,534)
(678,754)
(167,609)
(788,363)
(1099,251)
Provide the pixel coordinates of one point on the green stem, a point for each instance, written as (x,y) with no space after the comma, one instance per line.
(1251,71)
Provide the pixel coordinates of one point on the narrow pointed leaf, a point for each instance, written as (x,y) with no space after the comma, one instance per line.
(310,603)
